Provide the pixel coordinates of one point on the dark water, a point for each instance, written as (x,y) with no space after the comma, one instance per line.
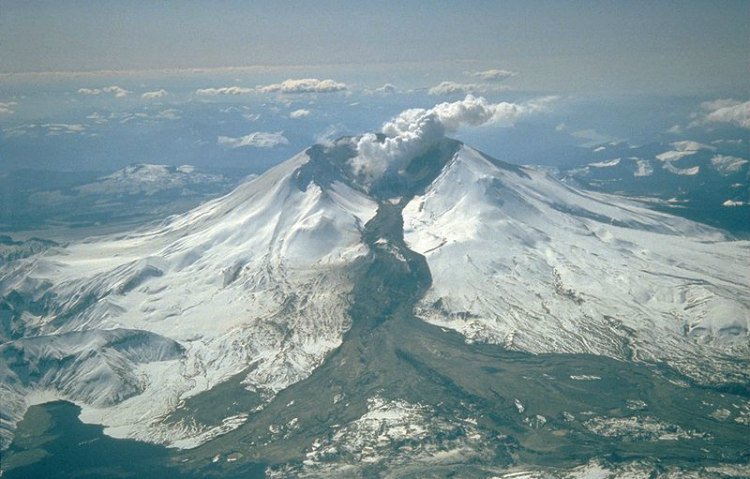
(53,443)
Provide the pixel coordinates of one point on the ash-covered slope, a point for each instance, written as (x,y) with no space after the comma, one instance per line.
(519,259)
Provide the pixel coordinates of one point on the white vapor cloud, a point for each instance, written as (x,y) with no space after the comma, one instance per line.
(6,108)
(227,90)
(152,95)
(494,75)
(97,118)
(115,90)
(46,129)
(304,85)
(54,129)
(719,104)
(454,88)
(413,131)
(387,88)
(258,139)
(727,111)
(301,113)
(169,114)
(326,137)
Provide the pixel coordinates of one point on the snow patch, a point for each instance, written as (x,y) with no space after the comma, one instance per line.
(727,165)
(643,168)
(606,164)
(683,149)
(694,170)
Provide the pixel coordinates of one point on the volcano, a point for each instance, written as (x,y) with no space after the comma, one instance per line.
(452,314)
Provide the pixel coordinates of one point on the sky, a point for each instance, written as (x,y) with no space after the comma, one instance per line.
(232,88)
(630,47)
(98,85)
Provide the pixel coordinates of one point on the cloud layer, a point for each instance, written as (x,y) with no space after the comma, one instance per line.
(153,95)
(454,88)
(301,85)
(413,131)
(304,85)
(489,80)
(6,108)
(115,90)
(494,75)
(258,139)
(387,88)
(227,90)
(301,113)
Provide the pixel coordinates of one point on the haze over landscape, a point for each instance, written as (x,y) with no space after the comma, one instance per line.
(324,239)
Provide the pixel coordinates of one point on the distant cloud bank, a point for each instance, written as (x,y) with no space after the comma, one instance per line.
(302,85)
(454,88)
(152,95)
(387,88)
(6,108)
(489,80)
(46,129)
(494,75)
(227,90)
(301,113)
(115,90)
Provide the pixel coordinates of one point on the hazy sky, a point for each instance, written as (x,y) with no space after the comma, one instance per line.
(649,46)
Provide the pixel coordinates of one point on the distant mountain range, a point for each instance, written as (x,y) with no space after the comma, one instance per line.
(35,199)
(705,182)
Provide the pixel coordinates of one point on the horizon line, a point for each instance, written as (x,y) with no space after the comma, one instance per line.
(218,69)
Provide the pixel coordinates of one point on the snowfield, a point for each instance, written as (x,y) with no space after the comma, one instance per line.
(519,259)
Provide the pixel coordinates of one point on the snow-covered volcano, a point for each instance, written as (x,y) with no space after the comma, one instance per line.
(257,279)
(260,283)
(520,259)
